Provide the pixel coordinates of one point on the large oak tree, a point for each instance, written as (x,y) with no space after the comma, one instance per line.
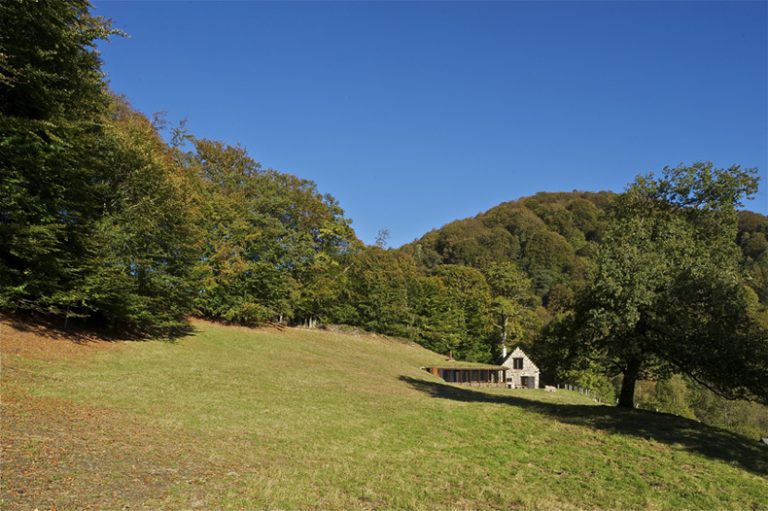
(666,295)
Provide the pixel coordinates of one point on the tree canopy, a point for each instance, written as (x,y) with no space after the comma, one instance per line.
(92,216)
(666,294)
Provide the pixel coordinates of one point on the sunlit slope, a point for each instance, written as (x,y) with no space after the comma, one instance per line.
(294,419)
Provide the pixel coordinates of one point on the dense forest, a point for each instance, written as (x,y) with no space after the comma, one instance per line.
(658,293)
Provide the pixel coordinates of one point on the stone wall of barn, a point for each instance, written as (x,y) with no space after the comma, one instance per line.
(514,376)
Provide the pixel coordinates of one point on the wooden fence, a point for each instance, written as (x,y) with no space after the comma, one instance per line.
(585,392)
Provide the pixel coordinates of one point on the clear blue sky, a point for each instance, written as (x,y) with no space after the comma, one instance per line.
(416,114)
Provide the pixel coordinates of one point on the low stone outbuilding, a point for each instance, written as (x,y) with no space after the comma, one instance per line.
(481,375)
(522,373)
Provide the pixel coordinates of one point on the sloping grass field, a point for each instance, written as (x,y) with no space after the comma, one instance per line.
(234,418)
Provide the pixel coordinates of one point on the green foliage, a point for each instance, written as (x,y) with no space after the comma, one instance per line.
(52,99)
(143,246)
(594,380)
(92,219)
(512,299)
(753,241)
(379,291)
(470,298)
(438,321)
(682,396)
(447,310)
(542,243)
(49,66)
(272,245)
(744,417)
(670,395)
(547,236)
(666,295)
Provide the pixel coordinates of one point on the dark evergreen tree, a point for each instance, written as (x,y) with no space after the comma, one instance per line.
(53,182)
(92,213)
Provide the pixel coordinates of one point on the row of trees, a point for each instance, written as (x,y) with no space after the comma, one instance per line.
(101,218)
(451,309)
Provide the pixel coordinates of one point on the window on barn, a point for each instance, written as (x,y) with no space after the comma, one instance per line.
(517,363)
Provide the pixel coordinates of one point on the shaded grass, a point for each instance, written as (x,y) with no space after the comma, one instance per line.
(659,427)
(241,419)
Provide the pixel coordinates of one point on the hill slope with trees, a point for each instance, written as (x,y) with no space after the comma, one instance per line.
(107,220)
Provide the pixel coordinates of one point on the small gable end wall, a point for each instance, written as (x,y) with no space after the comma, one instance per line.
(514,376)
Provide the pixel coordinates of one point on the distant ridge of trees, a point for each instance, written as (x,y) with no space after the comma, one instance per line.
(103,220)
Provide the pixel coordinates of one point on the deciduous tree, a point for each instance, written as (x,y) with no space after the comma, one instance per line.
(666,294)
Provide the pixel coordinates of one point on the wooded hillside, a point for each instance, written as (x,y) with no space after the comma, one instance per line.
(108,219)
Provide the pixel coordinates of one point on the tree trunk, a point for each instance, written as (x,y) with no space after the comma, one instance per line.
(503,336)
(627,394)
(503,330)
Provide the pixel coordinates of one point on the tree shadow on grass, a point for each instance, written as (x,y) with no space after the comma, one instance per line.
(83,331)
(669,429)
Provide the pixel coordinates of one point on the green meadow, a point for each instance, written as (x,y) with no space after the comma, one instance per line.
(234,418)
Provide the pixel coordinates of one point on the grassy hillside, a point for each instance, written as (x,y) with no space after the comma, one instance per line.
(241,419)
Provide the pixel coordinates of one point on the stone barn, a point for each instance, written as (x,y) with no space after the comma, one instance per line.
(522,373)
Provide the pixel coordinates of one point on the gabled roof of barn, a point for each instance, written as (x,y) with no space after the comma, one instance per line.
(518,348)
